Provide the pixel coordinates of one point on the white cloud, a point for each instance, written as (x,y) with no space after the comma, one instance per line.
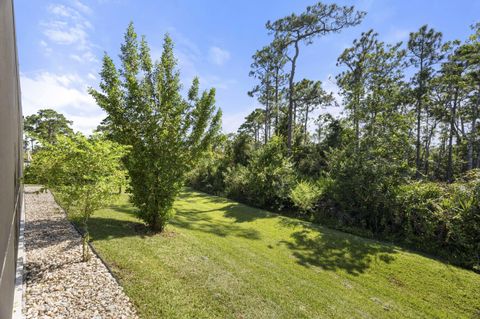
(65,93)
(216,82)
(62,33)
(81,7)
(218,55)
(67,26)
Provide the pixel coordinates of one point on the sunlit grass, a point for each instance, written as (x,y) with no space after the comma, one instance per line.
(221,259)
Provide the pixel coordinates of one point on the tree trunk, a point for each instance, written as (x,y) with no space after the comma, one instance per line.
(428,142)
(267,116)
(356,120)
(85,239)
(290,98)
(417,145)
(449,176)
(276,101)
(471,139)
(419,120)
(306,124)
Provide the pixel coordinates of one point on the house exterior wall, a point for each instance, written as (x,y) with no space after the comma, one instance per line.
(11,189)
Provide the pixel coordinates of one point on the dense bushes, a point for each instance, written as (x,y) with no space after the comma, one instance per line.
(443,219)
(266,180)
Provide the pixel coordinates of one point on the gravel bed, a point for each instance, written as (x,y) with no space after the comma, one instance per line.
(58,283)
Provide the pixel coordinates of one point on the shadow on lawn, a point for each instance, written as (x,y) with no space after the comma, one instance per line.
(239,212)
(107,228)
(192,219)
(311,245)
(332,250)
(198,220)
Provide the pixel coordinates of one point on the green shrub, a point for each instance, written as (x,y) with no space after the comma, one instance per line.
(207,175)
(443,219)
(236,182)
(267,179)
(305,196)
(84,173)
(270,176)
(364,189)
(419,217)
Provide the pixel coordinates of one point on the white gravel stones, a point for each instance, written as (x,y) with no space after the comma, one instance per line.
(58,283)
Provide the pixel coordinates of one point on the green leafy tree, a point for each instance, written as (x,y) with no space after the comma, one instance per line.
(45,126)
(293,30)
(168,134)
(454,87)
(84,173)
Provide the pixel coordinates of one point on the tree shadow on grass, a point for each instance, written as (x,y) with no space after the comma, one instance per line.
(199,220)
(102,228)
(239,212)
(316,246)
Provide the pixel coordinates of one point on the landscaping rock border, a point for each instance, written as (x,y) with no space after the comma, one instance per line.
(58,283)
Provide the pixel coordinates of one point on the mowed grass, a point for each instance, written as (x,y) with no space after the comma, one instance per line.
(222,259)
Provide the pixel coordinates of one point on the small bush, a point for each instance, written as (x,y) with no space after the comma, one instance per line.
(305,196)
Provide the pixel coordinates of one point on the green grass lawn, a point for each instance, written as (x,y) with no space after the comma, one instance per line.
(222,259)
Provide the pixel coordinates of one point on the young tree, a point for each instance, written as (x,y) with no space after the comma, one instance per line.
(46,125)
(424,48)
(317,20)
(83,173)
(168,134)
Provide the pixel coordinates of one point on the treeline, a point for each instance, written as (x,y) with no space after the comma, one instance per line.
(402,164)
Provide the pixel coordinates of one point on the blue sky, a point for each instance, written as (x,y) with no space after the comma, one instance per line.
(61,42)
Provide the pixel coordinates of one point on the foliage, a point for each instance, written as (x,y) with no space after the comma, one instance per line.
(270,176)
(84,173)
(364,188)
(305,195)
(207,175)
(266,180)
(167,133)
(444,219)
(45,126)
